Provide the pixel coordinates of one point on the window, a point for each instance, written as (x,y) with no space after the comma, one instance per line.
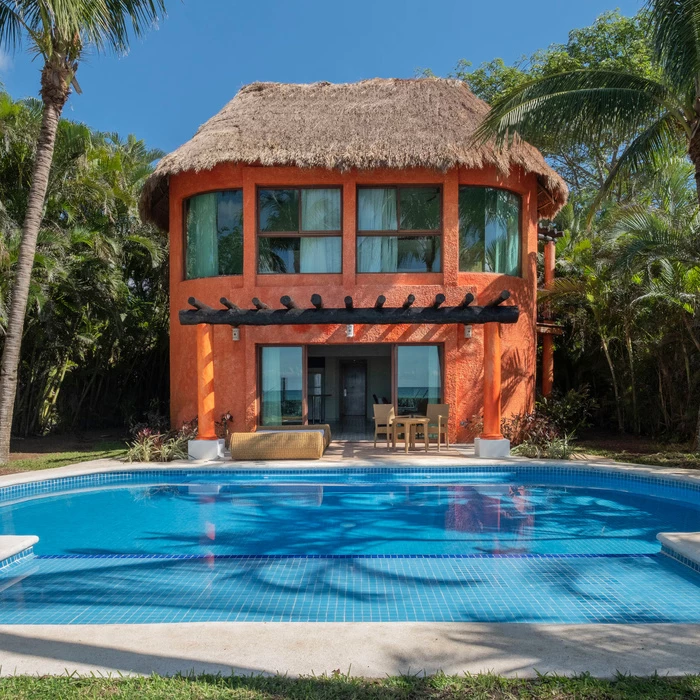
(398,229)
(281,385)
(214,232)
(299,230)
(489,230)
(418,378)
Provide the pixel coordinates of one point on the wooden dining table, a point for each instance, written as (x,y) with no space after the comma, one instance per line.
(409,425)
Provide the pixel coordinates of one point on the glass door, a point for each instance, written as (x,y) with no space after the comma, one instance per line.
(281,385)
(418,378)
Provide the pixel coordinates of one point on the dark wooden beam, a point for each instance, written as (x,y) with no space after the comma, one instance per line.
(260,305)
(287,301)
(381,300)
(317,301)
(382,316)
(503,296)
(229,304)
(439,301)
(468,299)
(348,302)
(409,301)
(199,305)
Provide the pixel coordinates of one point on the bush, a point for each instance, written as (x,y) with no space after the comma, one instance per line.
(570,412)
(150,445)
(529,427)
(535,435)
(556,448)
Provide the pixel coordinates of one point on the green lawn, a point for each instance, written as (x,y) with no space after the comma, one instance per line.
(96,450)
(340,687)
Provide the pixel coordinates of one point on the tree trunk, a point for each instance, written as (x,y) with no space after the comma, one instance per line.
(54,92)
(633,380)
(694,148)
(616,391)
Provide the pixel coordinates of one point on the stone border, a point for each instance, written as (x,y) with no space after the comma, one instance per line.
(14,548)
(684,547)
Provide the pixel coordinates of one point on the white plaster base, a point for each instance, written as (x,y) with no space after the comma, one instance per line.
(491,449)
(206,449)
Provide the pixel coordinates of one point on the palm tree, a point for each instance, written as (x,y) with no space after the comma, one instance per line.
(649,115)
(59,31)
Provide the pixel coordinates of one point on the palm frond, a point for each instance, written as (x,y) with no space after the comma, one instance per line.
(676,41)
(578,107)
(656,141)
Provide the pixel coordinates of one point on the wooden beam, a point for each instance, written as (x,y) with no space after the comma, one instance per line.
(468,299)
(260,305)
(503,296)
(317,301)
(409,301)
(372,316)
(348,302)
(439,301)
(381,300)
(287,301)
(229,304)
(199,305)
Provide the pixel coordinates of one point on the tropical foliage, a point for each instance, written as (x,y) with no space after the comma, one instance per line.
(59,32)
(614,110)
(94,350)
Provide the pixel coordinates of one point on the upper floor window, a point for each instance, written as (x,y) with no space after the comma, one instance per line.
(299,230)
(399,229)
(214,234)
(489,230)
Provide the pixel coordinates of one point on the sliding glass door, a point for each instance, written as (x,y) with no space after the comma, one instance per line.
(282,385)
(418,378)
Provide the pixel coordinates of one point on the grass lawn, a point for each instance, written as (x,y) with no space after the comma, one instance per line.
(57,451)
(339,687)
(638,450)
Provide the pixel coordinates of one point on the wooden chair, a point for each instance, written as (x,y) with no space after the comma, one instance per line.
(439,416)
(383,418)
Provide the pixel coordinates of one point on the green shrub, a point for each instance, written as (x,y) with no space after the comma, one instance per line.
(555,448)
(570,412)
(150,445)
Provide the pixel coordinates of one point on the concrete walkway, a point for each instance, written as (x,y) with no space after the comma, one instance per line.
(366,649)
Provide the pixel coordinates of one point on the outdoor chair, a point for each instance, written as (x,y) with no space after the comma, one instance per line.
(383,419)
(439,415)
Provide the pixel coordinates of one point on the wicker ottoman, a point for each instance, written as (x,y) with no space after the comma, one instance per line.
(284,444)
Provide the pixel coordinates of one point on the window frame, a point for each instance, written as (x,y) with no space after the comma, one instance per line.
(401,233)
(299,233)
(461,187)
(185,201)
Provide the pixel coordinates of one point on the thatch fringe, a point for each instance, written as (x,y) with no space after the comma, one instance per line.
(380,123)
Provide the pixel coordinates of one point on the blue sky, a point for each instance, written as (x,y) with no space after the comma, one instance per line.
(185,71)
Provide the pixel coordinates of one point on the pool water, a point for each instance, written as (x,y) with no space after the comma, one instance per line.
(515,544)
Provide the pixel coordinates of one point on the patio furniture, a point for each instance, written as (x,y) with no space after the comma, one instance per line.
(279,444)
(324,427)
(438,415)
(383,419)
(408,425)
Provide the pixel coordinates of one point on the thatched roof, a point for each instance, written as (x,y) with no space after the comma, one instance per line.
(380,123)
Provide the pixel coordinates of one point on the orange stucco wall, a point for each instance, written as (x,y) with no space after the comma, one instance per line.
(235,362)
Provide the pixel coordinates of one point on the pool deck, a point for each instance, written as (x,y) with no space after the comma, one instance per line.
(365,649)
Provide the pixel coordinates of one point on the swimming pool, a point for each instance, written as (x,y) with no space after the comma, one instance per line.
(496,544)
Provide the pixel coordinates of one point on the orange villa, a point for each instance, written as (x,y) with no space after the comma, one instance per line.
(335,246)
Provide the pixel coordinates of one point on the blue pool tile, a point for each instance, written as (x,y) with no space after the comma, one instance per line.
(651,588)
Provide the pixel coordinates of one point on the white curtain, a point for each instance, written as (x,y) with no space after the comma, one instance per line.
(376,209)
(320,254)
(320,210)
(202,239)
(377,254)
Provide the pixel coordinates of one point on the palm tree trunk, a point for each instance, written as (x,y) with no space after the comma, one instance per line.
(55,90)
(694,148)
(613,376)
